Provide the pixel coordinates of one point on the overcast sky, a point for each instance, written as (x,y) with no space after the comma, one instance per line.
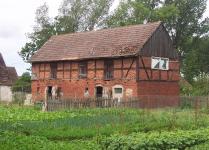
(17,19)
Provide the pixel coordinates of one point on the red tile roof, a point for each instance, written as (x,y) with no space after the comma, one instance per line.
(121,41)
(8,75)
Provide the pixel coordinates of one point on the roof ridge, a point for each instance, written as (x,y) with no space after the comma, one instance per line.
(107,29)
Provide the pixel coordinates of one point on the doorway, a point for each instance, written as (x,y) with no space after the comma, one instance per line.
(99,91)
(49,93)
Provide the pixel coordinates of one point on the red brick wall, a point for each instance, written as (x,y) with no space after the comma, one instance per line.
(158,88)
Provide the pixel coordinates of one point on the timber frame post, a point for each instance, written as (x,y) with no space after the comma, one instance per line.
(130,67)
(144,67)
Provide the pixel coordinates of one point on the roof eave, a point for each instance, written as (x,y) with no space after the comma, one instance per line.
(87,58)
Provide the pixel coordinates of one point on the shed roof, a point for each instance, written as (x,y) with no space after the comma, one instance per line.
(115,42)
(8,75)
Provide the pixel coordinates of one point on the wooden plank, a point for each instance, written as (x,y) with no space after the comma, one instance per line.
(95,68)
(70,70)
(167,75)
(63,70)
(39,69)
(160,75)
(137,68)
(44,70)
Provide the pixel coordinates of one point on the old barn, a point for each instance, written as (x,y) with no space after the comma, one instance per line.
(125,62)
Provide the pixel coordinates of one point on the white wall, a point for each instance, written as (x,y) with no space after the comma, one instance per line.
(5,93)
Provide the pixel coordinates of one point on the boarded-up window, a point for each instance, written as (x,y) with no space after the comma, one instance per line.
(108,69)
(53,67)
(82,70)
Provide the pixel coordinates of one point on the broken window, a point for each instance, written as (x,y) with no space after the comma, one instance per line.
(160,63)
(53,67)
(108,69)
(83,70)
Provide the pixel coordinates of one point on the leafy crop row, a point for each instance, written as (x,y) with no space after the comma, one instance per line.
(157,141)
(14,141)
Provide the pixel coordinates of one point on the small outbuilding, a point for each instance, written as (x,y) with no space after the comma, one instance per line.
(8,76)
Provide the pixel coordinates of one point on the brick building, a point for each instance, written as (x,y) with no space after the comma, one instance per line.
(118,63)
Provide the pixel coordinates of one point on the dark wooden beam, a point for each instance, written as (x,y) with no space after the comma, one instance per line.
(130,67)
(63,70)
(95,68)
(122,68)
(144,67)
(70,70)
(160,75)
(167,74)
(137,68)
(39,66)
(44,70)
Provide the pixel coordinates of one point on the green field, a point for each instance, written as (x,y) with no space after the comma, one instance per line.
(114,129)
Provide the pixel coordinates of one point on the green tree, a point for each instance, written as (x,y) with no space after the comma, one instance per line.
(201,85)
(87,14)
(196,61)
(188,21)
(23,84)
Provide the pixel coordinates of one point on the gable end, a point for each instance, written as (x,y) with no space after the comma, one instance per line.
(159,45)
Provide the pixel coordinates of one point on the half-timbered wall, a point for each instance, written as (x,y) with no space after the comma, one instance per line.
(124,74)
(158,82)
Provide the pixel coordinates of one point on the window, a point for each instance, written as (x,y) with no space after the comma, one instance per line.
(118,90)
(53,67)
(160,63)
(108,69)
(83,70)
